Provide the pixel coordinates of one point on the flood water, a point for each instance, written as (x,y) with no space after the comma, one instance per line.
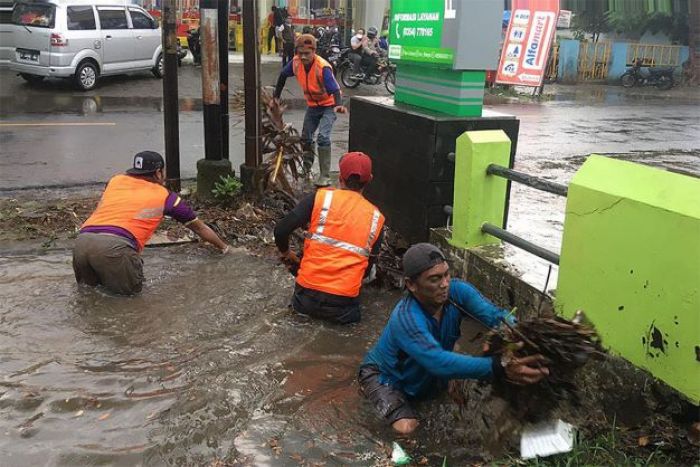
(206,364)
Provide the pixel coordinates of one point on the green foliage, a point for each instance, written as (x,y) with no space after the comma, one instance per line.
(605,449)
(594,19)
(227,188)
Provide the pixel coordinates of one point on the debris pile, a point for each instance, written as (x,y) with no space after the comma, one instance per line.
(281,144)
(566,345)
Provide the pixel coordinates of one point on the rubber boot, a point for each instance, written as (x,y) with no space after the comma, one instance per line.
(324,164)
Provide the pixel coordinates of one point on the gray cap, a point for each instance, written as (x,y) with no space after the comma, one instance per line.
(421,257)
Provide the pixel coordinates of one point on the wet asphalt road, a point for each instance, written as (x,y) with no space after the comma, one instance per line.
(52,134)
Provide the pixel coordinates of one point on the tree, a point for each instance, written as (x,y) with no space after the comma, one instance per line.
(593,20)
(694,42)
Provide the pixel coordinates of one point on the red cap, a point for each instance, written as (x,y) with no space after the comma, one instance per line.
(356,163)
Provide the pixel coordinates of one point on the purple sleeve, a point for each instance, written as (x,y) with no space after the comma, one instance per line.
(329,81)
(288,70)
(178,209)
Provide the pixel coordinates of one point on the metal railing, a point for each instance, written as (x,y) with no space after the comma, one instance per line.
(594,60)
(654,54)
(553,64)
(508,237)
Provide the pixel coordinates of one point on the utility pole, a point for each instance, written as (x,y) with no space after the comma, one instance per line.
(251,85)
(223,74)
(170,96)
(213,166)
(348,23)
(211,91)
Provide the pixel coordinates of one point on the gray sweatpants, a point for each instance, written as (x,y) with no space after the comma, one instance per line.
(108,260)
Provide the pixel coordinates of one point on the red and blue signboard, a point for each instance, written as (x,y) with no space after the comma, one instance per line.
(527,42)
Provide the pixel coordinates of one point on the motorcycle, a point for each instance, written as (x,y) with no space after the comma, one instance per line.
(331,53)
(662,78)
(385,72)
(195,45)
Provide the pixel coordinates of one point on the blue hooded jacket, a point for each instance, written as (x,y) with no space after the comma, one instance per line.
(414,352)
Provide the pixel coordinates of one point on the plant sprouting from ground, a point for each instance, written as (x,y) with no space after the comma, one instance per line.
(227,188)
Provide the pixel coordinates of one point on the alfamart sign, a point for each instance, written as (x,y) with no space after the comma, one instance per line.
(527,42)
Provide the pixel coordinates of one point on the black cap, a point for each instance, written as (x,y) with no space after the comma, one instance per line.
(421,257)
(146,162)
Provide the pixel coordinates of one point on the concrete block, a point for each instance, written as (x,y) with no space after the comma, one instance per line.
(208,173)
(478,197)
(630,260)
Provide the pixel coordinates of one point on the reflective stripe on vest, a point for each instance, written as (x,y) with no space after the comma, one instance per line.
(312,82)
(133,204)
(337,247)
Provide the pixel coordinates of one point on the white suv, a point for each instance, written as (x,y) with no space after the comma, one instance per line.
(83,40)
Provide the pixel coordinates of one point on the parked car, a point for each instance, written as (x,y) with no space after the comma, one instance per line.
(7,39)
(83,40)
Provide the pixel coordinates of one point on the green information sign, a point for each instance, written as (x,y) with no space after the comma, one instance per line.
(416,32)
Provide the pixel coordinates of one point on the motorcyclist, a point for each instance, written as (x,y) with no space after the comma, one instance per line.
(356,47)
(370,52)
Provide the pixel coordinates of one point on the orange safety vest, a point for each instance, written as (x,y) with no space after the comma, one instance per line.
(344,227)
(312,82)
(134,204)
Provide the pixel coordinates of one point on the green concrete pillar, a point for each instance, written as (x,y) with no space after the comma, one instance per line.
(630,259)
(478,197)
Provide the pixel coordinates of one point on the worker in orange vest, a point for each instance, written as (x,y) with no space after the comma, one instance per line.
(322,93)
(342,240)
(108,248)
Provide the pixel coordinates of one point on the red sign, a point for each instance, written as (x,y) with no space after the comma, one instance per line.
(531,30)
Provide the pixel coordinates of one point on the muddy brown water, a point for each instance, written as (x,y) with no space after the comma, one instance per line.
(206,364)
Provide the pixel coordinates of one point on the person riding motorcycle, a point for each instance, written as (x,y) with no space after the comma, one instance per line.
(370,52)
(356,47)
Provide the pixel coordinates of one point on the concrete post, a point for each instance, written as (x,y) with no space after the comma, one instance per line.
(213,166)
(618,61)
(630,259)
(251,172)
(170,96)
(478,197)
(568,60)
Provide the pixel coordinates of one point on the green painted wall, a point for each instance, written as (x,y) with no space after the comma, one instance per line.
(478,197)
(631,260)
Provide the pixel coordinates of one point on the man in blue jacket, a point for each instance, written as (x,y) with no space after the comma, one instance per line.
(414,354)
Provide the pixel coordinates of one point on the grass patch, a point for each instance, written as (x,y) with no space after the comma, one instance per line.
(604,449)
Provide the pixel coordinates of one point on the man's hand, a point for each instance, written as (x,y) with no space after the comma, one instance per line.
(289,259)
(524,370)
(340,109)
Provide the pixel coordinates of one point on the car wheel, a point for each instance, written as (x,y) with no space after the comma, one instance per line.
(32,79)
(628,81)
(86,76)
(158,69)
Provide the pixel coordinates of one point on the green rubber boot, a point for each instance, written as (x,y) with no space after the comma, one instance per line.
(324,164)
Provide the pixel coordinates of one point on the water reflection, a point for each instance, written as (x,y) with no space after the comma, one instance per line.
(207,363)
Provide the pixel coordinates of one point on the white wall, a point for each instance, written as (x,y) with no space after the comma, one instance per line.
(370,13)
